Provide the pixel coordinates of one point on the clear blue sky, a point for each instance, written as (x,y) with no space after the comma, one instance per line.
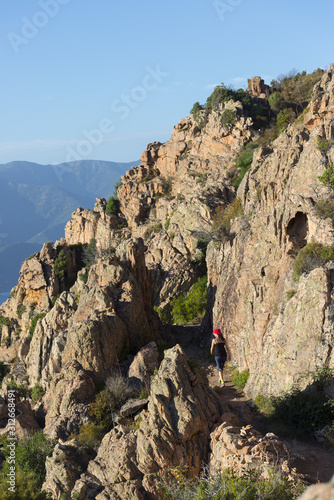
(99,79)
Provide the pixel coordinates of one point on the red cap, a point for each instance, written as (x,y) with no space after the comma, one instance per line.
(217,331)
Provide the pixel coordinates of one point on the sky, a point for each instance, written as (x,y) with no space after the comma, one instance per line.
(100,79)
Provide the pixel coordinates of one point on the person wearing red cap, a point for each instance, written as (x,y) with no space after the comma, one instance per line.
(220,351)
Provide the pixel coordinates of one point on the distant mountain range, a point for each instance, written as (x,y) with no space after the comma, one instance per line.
(36,201)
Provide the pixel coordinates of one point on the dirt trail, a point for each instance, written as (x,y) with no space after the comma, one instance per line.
(312,460)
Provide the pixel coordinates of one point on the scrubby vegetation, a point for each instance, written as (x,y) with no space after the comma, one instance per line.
(310,257)
(244,162)
(60,265)
(37,392)
(325,209)
(228,117)
(228,486)
(112,207)
(301,413)
(223,216)
(189,306)
(33,323)
(107,402)
(30,457)
(327,178)
(239,379)
(154,228)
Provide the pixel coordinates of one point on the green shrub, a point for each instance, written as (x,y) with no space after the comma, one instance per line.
(164,315)
(167,223)
(90,434)
(3,371)
(301,412)
(112,207)
(228,117)
(21,310)
(33,323)
(7,341)
(20,389)
(27,487)
(189,306)
(223,216)
(100,410)
(228,486)
(323,145)
(60,265)
(4,321)
(327,178)
(119,391)
(167,186)
(30,456)
(265,405)
(239,379)
(37,392)
(325,209)
(290,293)
(310,257)
(284,117)
(55,298)
(155,228)
(244,162)
(276,102)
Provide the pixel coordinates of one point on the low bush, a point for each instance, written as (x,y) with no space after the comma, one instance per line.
(90,434)
(37,392)
(323,145)
(100,410)
(60,265)
(327,178)
(30,456)
(112,207)
(119,391)
(244,162)
(189,306)
(3,371)
(4,321)
(164,315)
(310,257)
(33,323)
(284,118)
(301,412)
(21,310)
(239,379)
(228,117)
(21,390)
(325,209)
(290,293)
(223,216)
(155,228)
(228,486)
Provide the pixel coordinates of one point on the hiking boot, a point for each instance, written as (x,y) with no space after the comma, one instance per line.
(222,383)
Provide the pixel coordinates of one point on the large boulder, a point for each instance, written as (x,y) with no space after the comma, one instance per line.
(173,431)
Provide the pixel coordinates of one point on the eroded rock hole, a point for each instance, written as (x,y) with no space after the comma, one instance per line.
(297,230)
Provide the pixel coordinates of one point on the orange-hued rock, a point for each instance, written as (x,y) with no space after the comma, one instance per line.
(281,340)
(173,431)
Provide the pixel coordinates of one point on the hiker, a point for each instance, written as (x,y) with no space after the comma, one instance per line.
(219,349)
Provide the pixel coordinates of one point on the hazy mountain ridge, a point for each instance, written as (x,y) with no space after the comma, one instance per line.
(37,200)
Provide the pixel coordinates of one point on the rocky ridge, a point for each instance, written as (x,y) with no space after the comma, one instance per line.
(146,255)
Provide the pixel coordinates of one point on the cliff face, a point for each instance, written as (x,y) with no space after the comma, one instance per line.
(82,304)
(278,339)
